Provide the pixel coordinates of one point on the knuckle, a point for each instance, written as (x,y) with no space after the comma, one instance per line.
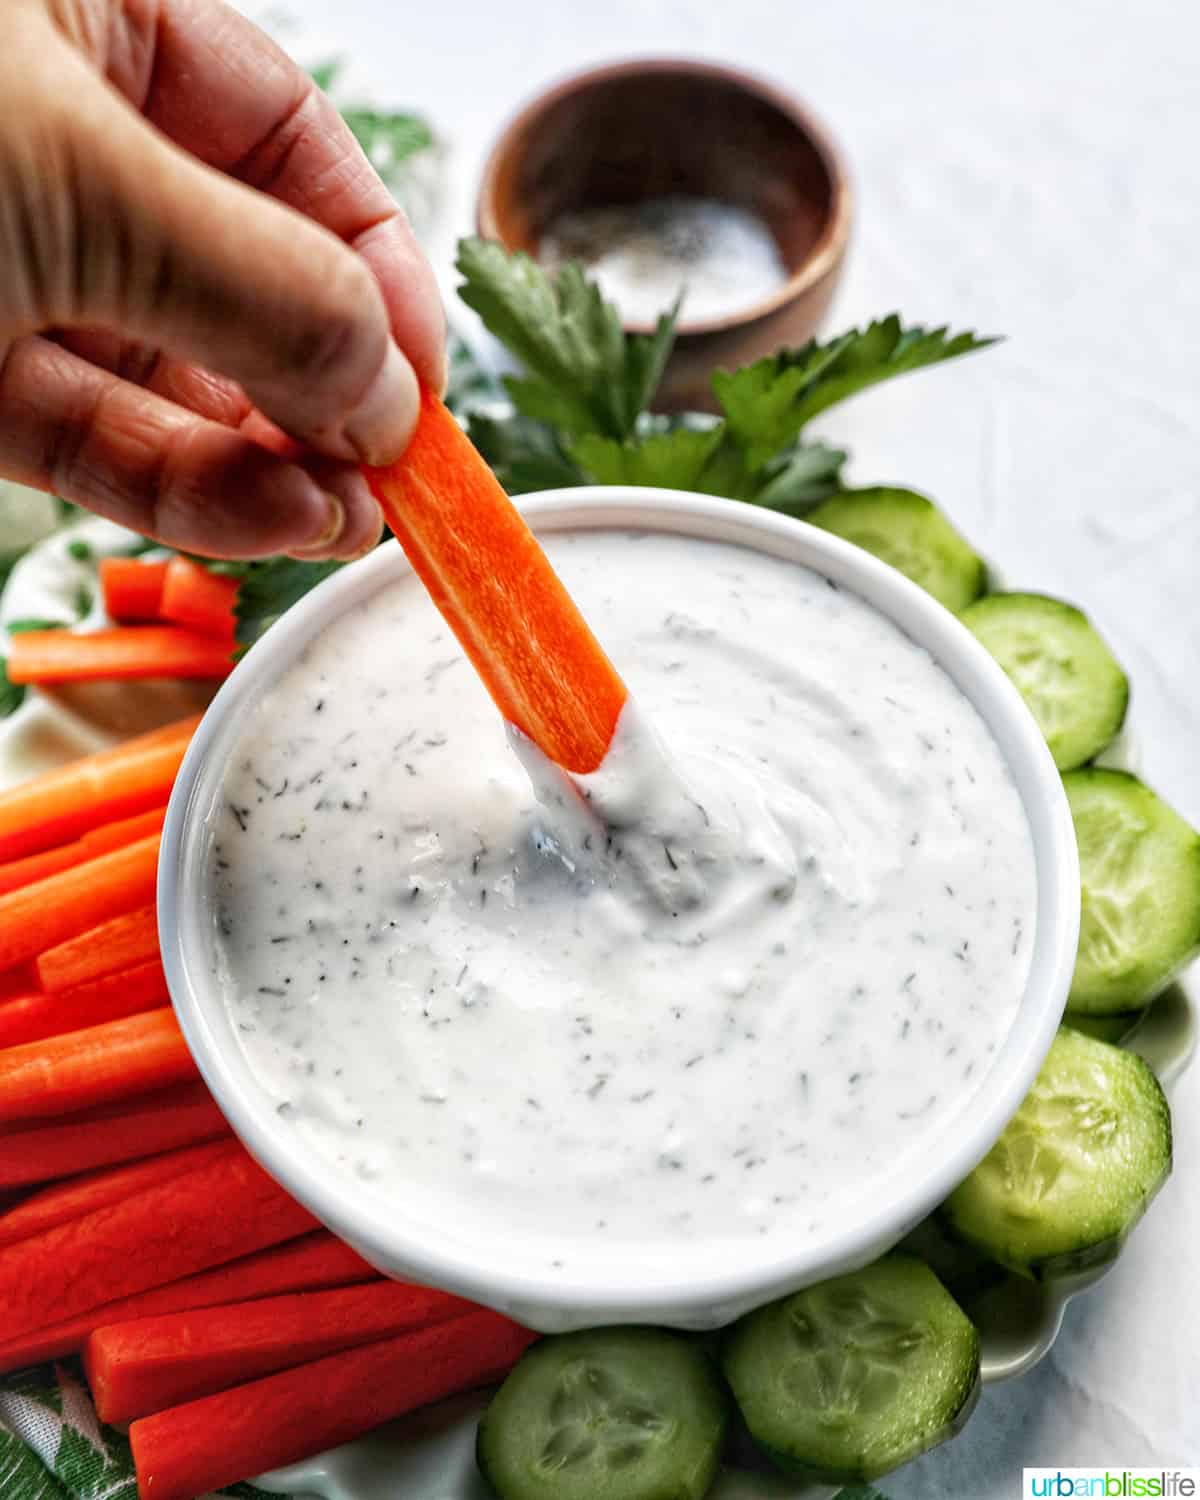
(39,219)
(76,461)
(339,345)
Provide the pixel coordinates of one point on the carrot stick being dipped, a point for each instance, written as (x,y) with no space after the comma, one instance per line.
(301,1265)
(132,588)
(19,872)
(110,1133)
(120,654)
(486,572)
(135,1368)
(63,804)
(34,1017)
(48,912)
(81,1068)
(120,943)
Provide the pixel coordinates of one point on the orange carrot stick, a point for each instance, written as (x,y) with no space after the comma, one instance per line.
(118,655)
(120,943)
(19,872)
(302,1265)
(64,1201)
(32,1018)
(144,1366)
(80,796)
(207,1444)
(48,912)
(111,1133)
(82,1068)
(199,599)
(211,1214)
(132,588)
(17,981)
(496,589)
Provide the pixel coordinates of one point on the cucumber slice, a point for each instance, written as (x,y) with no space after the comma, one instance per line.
(849,1379)
(911,534)
(1112,1029)
(1075,1168)
(607,1414)
(1069,679)
(1139,864)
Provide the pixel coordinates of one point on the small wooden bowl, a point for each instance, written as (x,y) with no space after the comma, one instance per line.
(644,129)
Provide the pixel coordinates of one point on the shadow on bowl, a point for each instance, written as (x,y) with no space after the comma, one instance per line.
(643,130)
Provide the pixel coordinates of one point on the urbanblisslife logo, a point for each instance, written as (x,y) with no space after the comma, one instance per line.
(1112,1484)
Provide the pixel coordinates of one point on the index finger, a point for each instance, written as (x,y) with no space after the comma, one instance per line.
(219,87)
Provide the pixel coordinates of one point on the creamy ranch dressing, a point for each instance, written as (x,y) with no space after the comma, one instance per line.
(449,998)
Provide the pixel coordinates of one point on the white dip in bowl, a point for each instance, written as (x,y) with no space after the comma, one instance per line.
(480,1048)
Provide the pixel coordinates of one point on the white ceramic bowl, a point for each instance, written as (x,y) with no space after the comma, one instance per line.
(494,1273)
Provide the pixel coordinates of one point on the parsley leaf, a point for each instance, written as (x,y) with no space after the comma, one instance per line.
(20,627)
(468,384)
(267,589)
(760,400)
(523,454)
(584,373)
(801,477)
(768,403)
(707,460)
(582,397)
(12,694)
(671,460)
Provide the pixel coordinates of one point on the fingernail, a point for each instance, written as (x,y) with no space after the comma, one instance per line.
(334,526)
(379,427)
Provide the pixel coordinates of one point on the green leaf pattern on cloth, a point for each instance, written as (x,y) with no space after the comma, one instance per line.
(53,1447)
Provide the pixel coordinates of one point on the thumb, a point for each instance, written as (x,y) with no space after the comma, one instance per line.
(174,253)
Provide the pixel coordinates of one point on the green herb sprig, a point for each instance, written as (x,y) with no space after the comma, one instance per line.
(580,405)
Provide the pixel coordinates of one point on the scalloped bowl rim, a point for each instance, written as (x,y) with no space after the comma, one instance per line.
(492,1273)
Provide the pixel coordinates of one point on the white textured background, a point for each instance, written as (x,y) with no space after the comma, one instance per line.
(1026,168)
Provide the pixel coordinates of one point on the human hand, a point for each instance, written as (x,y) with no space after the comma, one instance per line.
(212,310)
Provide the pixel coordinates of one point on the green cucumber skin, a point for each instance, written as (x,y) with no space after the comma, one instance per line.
(690,1489)
(941,1418)
(956,575)
(1138,984)
(1087,1257)
(1005,1246)
(697,1373)
(1115,1028)
(1070,749)
(868,1474)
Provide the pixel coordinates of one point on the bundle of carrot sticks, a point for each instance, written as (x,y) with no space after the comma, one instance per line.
(173,619)
(211,1310)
